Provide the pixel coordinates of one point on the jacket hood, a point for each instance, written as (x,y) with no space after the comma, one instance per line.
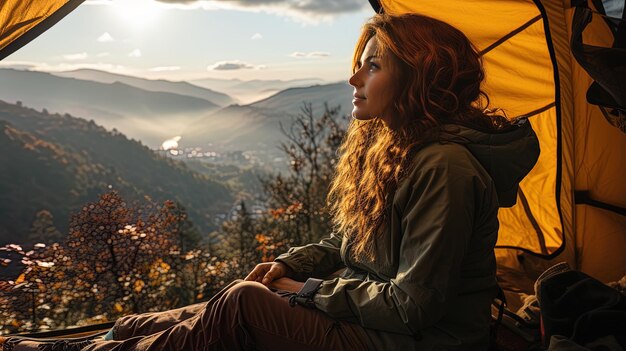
(507,155)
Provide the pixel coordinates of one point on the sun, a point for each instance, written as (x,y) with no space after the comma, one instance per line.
(138,13)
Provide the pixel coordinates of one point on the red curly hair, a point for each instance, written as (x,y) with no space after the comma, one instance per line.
(438,80)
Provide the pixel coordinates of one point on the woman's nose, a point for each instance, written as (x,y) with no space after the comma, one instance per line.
(354,80)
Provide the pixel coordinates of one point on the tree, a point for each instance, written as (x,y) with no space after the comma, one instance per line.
(188,235)
(298,199)
(238,241)
(26,300)
(122,253)
(43,230)
(119,258)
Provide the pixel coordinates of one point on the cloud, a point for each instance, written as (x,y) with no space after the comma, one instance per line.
(75,57)
(313,54)
(18,65)
(164,68)
(103,54)
(318,54)
(323,7)
(305,11)
(256,36)
(135,53)
(308,6)
(98,2)
(177,1)
(105,38)
(298,54)
(184,2)
(230,66)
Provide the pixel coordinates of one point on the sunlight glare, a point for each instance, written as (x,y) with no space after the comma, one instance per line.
(138,13)
(171,143)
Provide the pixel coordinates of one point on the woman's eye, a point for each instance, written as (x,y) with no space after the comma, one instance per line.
(373,66)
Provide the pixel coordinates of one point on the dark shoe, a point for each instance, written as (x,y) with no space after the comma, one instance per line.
(33,344)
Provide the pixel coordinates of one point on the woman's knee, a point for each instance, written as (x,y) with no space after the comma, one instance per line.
(234,306)
(246,292)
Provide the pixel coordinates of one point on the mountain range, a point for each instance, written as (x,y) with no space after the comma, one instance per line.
(153,111)
(180,88)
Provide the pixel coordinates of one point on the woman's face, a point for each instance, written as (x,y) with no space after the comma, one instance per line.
(373,85)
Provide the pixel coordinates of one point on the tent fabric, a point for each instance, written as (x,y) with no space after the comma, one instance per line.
(600,166)
(23,20)
(531,71)
(606,65)
(521,79)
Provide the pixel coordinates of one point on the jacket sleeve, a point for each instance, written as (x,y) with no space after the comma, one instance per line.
(437,225)
(314,260)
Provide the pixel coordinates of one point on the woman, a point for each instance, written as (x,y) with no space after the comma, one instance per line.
(415,198)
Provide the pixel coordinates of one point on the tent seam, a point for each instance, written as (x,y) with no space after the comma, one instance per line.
(510,35)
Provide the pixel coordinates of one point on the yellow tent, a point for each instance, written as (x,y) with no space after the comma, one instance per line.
(572,206)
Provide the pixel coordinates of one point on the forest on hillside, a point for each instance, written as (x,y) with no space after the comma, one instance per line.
(122,253)
(57,163)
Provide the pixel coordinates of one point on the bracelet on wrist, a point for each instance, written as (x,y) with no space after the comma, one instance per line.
(304,297)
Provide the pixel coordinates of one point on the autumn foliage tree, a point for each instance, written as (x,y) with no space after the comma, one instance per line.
(118,258)
(237,242)
(43,229)
(41,296)
(295,199)
(122,253)
(298,198)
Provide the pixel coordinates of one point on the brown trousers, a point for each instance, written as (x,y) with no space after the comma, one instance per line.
(243,316)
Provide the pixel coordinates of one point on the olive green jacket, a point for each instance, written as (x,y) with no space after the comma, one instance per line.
(433,278)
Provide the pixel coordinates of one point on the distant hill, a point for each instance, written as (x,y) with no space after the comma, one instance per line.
(180,88)
(253,90)
(290,100)
(256,125)
(216,83)
(277,84)
(59,162)
(146,115)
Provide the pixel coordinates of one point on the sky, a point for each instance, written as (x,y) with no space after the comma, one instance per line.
(186,39)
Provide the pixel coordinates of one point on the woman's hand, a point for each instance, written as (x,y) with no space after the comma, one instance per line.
(267,272)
